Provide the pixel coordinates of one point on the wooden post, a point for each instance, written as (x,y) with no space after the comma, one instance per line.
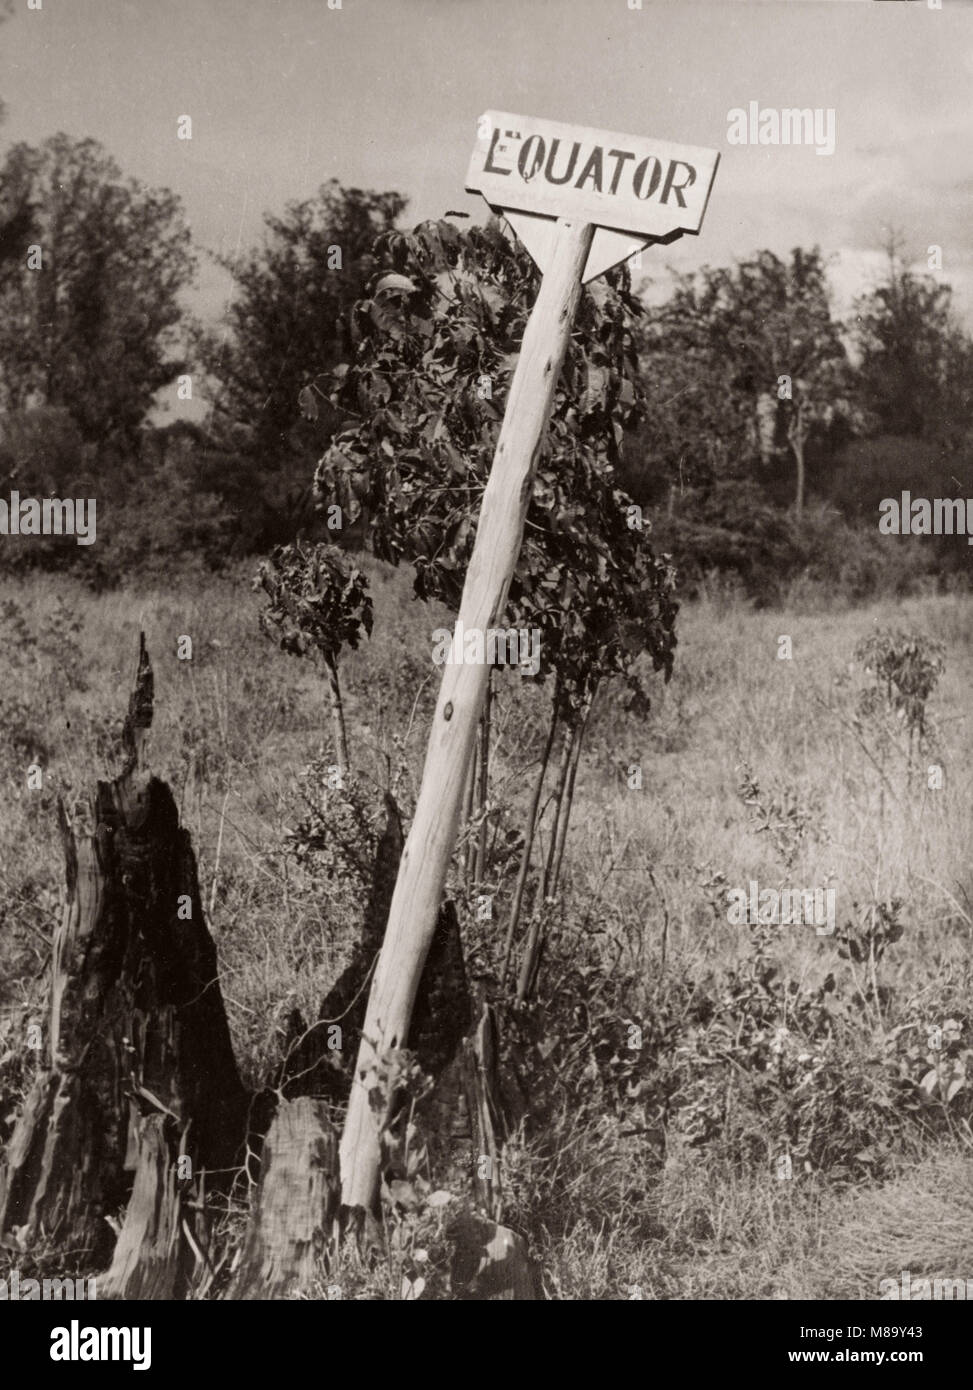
(470,867)
(425,860)
(484,788)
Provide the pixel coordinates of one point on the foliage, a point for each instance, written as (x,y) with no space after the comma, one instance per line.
(731,538)
(763,330)
(787,819)
(436,342)
(656,1163)
(93,331)
(761,1071)
(905,668)
(728,526)
(316,604)
(289,318)
(916,367)
(698,429)
(335,838)
(51,661)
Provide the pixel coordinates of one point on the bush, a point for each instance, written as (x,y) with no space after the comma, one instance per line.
(770,557)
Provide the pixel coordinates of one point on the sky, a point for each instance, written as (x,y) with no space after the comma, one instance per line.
(385,94)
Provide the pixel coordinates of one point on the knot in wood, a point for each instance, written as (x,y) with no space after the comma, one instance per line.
(448,711)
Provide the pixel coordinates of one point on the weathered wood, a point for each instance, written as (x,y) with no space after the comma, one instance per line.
(483,790)
(468,1116)
(135,1022)
(443,1009)
(151,1259)
(425,859)
(604,177)
(482,1083)
(296,1208)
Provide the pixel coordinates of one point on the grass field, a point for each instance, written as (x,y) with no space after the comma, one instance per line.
(728,1111)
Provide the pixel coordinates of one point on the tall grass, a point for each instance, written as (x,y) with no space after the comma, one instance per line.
(616,1188)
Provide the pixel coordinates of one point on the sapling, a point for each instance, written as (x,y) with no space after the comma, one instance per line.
(316,605)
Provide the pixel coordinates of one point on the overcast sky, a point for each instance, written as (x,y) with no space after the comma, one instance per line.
(285,94)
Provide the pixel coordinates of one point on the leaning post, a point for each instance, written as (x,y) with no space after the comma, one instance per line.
(581,200)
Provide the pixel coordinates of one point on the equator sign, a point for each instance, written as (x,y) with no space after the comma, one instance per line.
(581,200)
(647,188)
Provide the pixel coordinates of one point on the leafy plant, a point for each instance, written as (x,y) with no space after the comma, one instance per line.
(316,605)
(905,668)
(436,343)
(787,819)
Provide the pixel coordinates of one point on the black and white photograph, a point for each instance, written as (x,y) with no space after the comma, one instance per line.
(486,640)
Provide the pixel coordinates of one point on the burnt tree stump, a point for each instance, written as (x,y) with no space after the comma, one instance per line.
(136,1023)
(442,1009)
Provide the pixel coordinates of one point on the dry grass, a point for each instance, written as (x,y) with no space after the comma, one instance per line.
(646,882)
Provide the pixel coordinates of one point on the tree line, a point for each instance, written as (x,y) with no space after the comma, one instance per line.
(747,421)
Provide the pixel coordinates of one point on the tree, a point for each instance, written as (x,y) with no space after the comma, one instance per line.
(436,340)
(88,317)
(16,211)
(915,362)
(289,318)
(6,7)
(696,430)
(764,328)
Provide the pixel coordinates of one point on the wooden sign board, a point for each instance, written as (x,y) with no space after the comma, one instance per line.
(563,188)
(633,190)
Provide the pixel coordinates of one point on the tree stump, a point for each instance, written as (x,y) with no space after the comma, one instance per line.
(151,1259)
(442,1014)
(293,1219)
(310,1067)
(136,1019)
